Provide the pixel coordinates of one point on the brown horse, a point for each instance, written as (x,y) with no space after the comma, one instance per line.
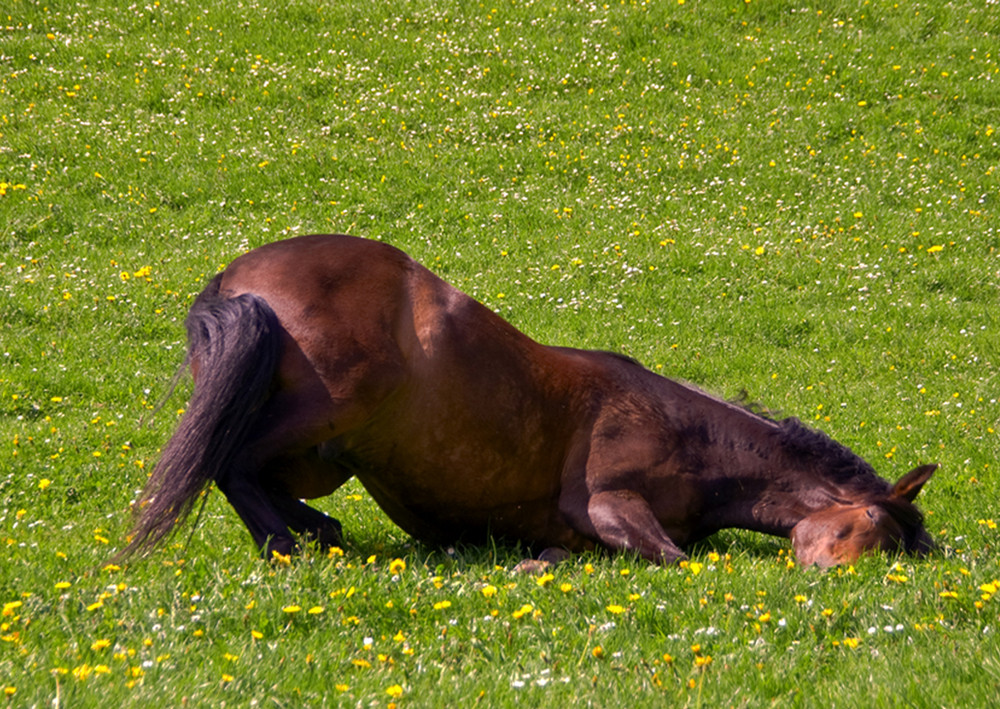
(321,358)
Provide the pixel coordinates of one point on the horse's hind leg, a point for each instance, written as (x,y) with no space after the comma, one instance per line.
(268,503)
(308,522)
(256,507)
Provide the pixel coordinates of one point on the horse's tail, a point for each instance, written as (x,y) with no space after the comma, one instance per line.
(234,348)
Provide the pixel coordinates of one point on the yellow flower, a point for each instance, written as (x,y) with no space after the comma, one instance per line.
(227,678)
(544,579)
(100,644)
(852,642)
(256,634)
(523,611)
(566,587)
(397,566)
(597,652)
(615,608)
(948,594)
(44,483)
(316,610)
(441,605)
(703,661)
(489,591)
(292,609)
(395,691)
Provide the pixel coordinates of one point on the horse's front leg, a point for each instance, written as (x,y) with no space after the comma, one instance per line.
(623,520)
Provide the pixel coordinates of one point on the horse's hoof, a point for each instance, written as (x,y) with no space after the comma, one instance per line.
(535,567)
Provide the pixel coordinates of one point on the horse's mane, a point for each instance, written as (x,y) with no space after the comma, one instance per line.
(834,460)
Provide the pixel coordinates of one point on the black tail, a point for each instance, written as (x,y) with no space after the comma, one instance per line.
(235,345)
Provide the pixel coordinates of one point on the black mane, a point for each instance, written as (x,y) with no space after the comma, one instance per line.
(833,459)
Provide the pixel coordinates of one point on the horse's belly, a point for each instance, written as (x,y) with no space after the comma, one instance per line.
(444,509)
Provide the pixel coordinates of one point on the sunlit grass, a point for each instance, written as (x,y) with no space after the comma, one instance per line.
(796,204)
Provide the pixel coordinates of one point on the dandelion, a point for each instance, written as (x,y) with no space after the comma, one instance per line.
(565,587)
(523,611)
(702,660)
(291,609)
(597,652)
(256,634)
(442,605)
(616,609)
(44,483)
(316,610)
(948,594)
(397,566)
(544,579)
(100,644)
(395,691)
(489,591)
(227,678)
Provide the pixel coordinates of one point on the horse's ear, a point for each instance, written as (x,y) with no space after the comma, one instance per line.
(909,485)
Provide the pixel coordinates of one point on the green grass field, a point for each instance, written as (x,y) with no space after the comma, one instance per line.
(795,203)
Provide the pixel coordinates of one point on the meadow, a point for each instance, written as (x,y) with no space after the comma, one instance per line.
(788,203)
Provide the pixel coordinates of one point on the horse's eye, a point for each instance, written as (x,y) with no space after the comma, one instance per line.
(843,532)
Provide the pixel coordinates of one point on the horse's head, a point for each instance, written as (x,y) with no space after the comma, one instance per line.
(841,533)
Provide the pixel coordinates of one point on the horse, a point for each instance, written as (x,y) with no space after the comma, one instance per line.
(325,357)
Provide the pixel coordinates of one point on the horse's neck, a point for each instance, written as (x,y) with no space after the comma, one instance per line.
(771,489)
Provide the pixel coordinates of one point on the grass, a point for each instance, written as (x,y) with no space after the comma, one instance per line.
(795,203)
